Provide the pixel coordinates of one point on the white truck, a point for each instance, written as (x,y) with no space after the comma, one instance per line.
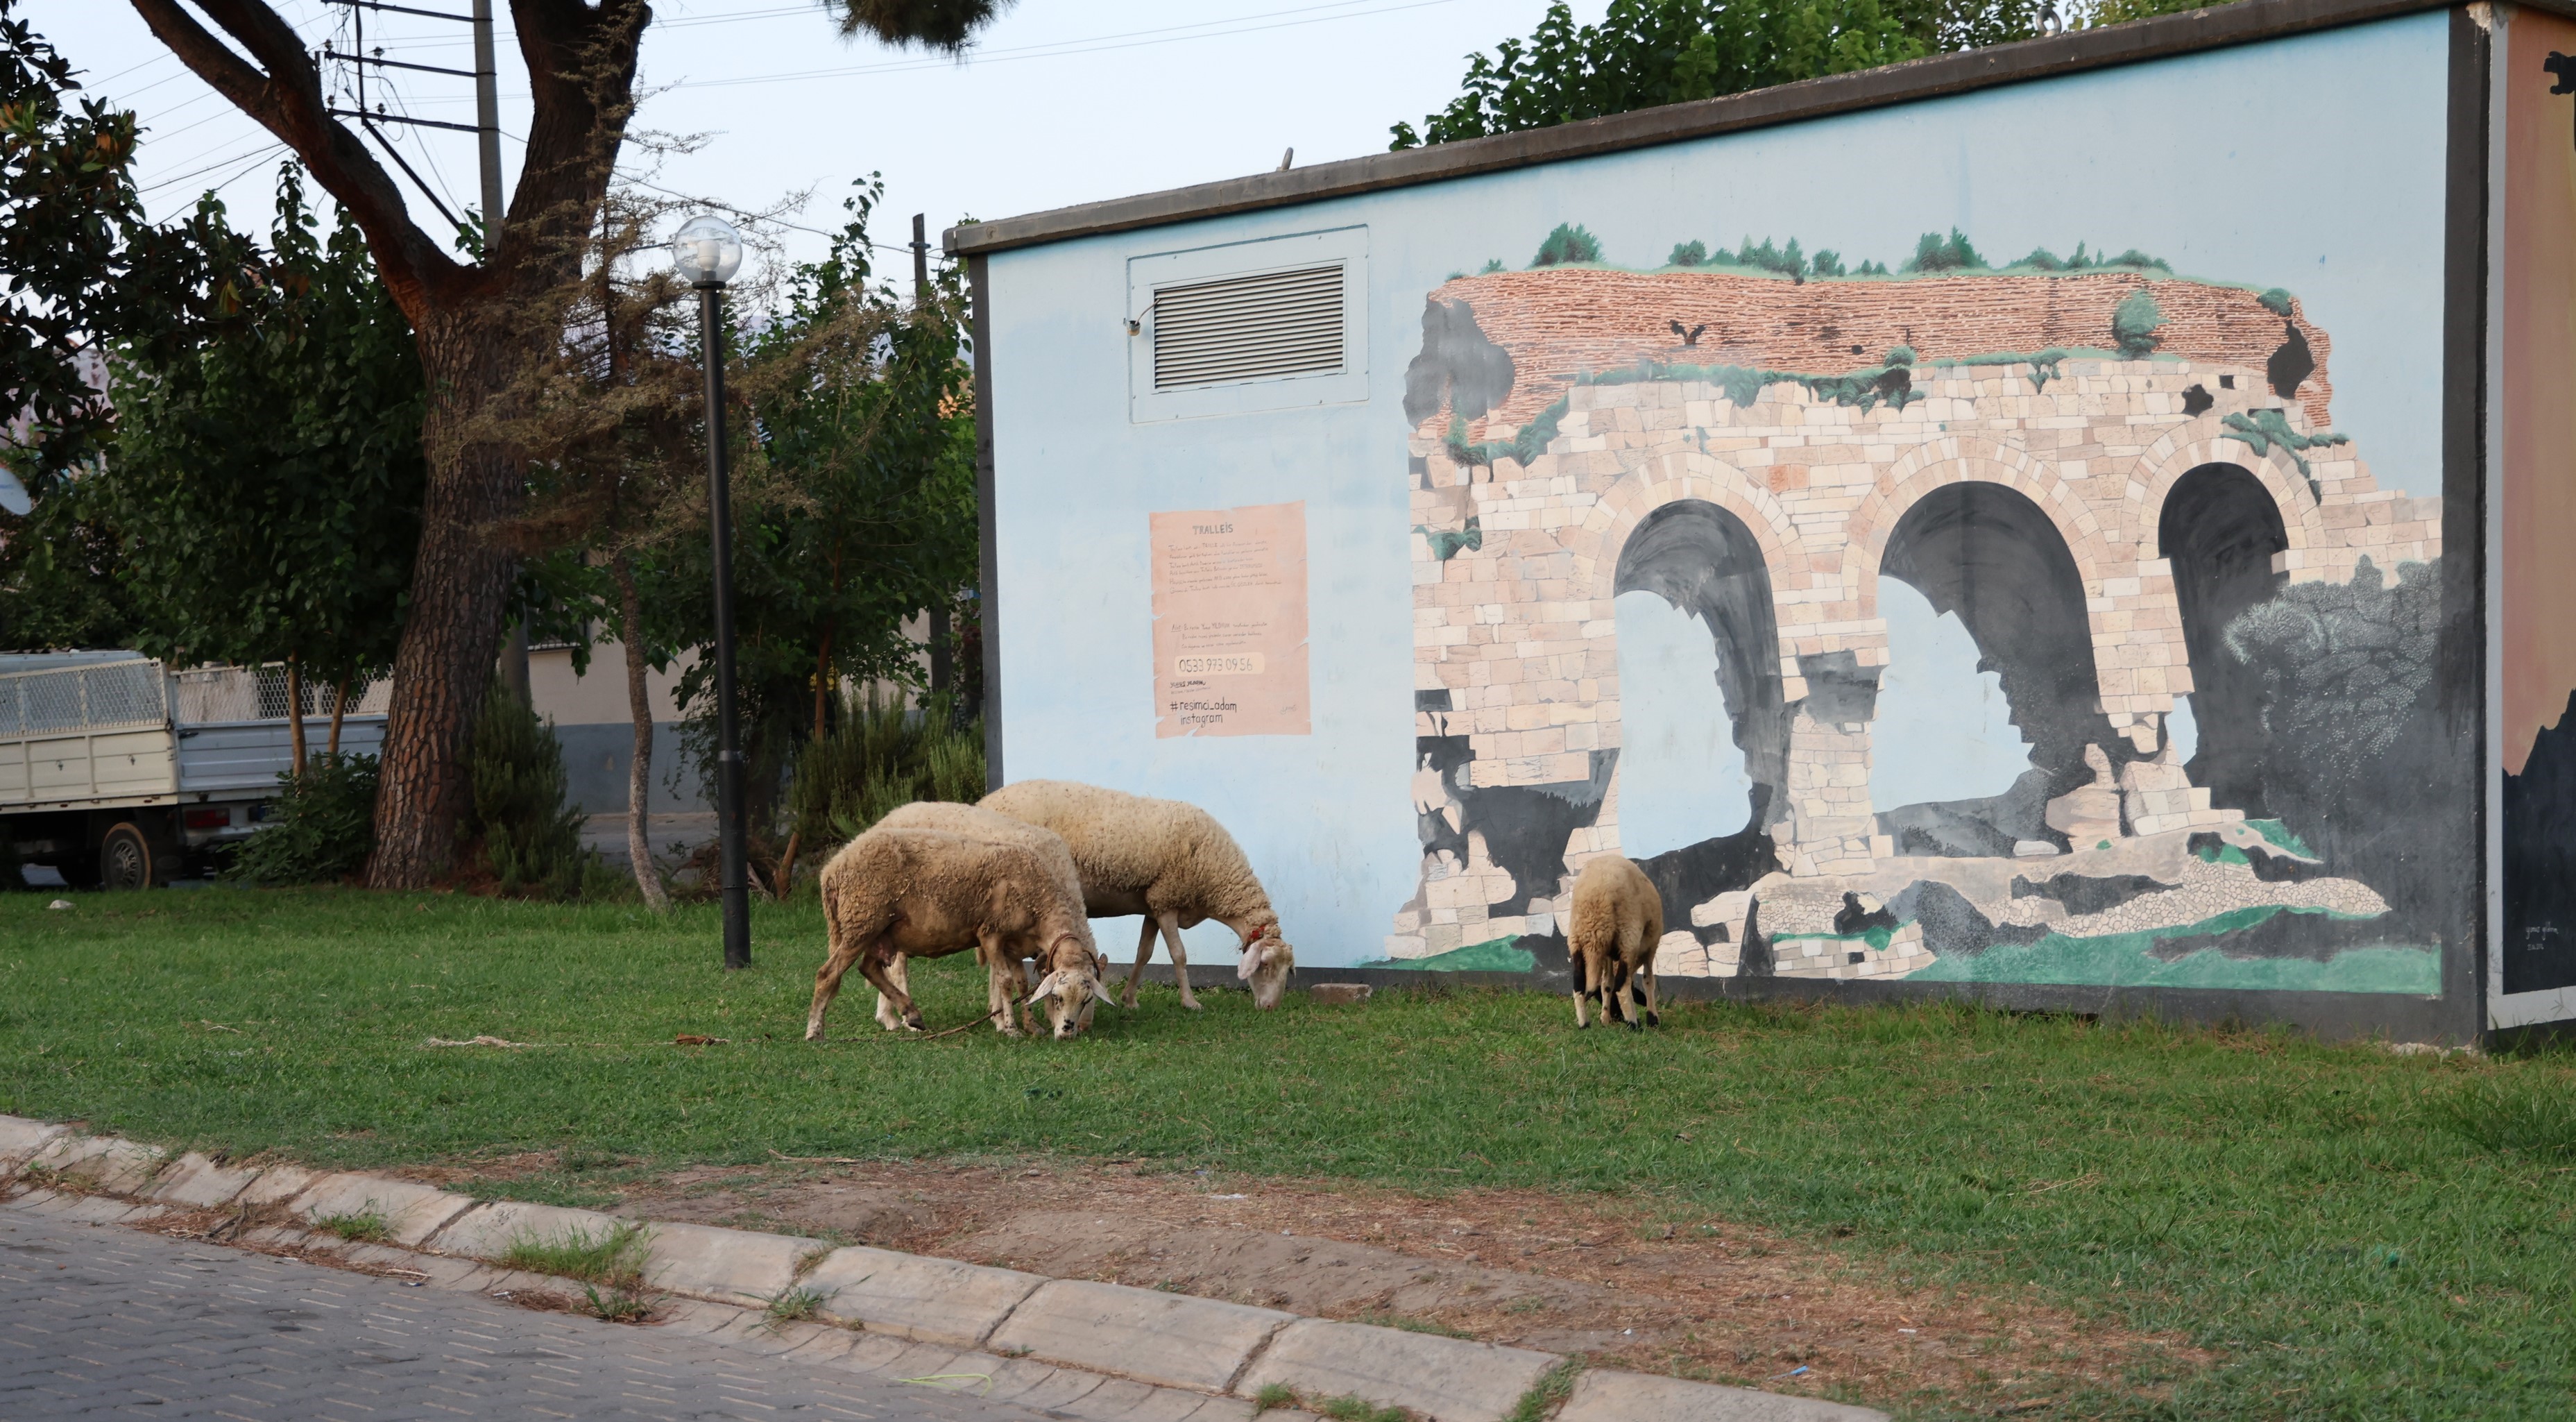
(119,772)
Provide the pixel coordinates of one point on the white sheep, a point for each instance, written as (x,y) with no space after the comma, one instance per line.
(1611,937)
(929,893)
(1071,980)
(1171,862)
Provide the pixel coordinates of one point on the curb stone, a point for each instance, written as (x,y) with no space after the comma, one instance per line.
(412,1213)
(1167,1357)
(1156,1337)
(1626,1397)
(1444,1379)
(911,1296)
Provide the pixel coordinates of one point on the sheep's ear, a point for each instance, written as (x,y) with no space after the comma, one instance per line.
(1045,985)
(1250,964)
(1100,991)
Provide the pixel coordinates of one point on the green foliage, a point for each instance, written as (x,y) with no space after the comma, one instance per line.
(1273,1395)
(857,506)
(531,839)
(1935,253)
(2277,301)
(2134,324)
(361,1227)
(2263,429)
(1525,446)
(1547,1394)
(2230,1188)
(879,754)
(614,1257)
(1380,1318)
(1649,52)
(84,272)
(1825,263)
(321,825)
(1447,543)
(1688,254)
(796,1303)
(1358,1409)
(1569,243)
(266,482)
(2113,12)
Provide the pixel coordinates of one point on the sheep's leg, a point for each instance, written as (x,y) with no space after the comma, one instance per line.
(881,972)
(827,980)
(1583,967)
(1653,1018)
(1144,952)
(1001,974)
(902,975)
(1180,961)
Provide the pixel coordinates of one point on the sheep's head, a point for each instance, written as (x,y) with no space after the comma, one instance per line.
(1266,961)
(1071,989)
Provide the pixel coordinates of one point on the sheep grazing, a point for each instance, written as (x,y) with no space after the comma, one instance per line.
(1617,922)
(928,893)
(1071,984)
(1169,861)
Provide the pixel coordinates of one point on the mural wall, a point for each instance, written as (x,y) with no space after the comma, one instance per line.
(2202,634)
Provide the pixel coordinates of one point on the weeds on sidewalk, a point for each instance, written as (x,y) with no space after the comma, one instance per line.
(797,1304)
(1547,1394)
(615,1258)
(357,1226)
(616,1306)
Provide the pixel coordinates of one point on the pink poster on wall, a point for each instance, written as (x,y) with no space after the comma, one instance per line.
(1230,621)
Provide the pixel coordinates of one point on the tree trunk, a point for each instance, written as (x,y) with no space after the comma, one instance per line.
(339,712)
(460,591)
(639,705)
(295,717)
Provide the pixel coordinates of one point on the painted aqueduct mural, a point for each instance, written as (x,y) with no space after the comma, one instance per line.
(2198,627)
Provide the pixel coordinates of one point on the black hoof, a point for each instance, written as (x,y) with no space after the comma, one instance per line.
(1654,1019)
(1636,1026)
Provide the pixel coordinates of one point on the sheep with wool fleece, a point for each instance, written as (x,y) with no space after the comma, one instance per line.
(1072,981)
(1167,860)
(1611,937)
(929,893)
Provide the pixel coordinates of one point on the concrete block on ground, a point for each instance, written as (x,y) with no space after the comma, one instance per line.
(731,1264)
(1446,1379)
(97,1209)
(412,1213)
(21,1139)
(199,1183)
(277,1184)
(108,1163)
(1139,1333)
(1119,1400)
(1635,1397)
(910,1296)
(488,1232)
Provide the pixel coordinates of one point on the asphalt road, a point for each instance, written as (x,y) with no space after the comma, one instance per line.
(102,1321)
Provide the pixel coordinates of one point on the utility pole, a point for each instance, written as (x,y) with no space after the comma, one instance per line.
(943,675)
(487,140)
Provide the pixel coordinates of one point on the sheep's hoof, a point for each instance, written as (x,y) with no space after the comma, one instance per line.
(1636,1026)
(813,1034)
(1654,1019)
(1192,1003)
(1128,999)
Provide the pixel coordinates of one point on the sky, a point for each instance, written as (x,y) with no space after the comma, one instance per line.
(1057,103)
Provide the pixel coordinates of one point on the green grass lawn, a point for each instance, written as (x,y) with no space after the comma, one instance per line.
(2317,1215)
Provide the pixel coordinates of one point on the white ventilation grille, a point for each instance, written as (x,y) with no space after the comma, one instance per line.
(1264,327)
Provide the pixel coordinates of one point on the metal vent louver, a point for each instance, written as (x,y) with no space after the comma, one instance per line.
(1263,327)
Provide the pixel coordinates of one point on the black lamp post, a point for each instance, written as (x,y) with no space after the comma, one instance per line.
(707,252)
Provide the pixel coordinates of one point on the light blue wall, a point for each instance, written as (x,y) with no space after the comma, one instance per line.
(2312,163)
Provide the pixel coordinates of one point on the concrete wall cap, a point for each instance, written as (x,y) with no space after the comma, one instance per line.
(412,1213)
(108,1162)
(21,1138)
(199,1182)
(488,1232)
(729,1264)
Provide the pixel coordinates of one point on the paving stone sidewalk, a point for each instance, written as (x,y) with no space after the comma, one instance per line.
(103,1321)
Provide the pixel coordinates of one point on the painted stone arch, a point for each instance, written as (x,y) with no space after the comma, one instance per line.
(1945,462)
(2220,533)
(1686,475)
(2199,445)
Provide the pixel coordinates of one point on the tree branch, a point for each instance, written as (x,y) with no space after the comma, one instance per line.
(287,101)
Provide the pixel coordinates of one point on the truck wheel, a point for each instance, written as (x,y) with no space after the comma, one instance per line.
(126,859)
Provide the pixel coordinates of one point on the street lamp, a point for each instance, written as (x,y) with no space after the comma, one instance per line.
(706,252)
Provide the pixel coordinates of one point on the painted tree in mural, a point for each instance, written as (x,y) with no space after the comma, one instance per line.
(468,320)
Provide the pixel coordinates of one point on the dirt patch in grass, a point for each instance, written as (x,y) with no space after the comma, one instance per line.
(1635,1283)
